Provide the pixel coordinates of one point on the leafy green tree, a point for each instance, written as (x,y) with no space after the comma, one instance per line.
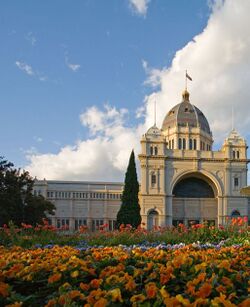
(129,212)
(17,203)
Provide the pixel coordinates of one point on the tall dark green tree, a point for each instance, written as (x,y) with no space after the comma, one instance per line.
(129,212)
(17,203)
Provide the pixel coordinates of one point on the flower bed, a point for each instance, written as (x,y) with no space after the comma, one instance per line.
(119,276)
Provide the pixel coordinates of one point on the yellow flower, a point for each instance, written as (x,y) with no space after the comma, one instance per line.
(181,299)
(139,298)
(116,295)
(74,274)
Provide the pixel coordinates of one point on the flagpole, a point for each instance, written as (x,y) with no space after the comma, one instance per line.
(155,114)
(186,81)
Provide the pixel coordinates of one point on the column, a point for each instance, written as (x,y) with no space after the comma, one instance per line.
(221,211)
(169,210)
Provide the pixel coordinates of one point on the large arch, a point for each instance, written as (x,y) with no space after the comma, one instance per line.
(204,175)
(195,198)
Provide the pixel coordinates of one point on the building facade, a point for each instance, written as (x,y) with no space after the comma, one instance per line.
(182,179)
(79,203)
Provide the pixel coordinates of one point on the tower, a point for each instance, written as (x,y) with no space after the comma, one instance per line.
(182,179)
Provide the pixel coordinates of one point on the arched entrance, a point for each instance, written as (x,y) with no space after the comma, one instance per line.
(153,219)
(195,200)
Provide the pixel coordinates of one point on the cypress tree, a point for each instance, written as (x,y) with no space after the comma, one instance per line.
(129,212)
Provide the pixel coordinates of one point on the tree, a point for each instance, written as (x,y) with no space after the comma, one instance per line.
(17,203)
(129,212)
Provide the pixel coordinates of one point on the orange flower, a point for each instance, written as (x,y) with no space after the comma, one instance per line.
(221,289)
(84,287)
(218,301)
(151,290)
(51,303)
(75,293)
(204,290)
(245,303)
(130,285)
(95,283)
(102,302)
(4,289)
(54,278)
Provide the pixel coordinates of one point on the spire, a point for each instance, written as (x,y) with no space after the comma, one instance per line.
(185,95)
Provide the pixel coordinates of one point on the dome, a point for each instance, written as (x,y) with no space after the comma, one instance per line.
(153,131)
(185,114)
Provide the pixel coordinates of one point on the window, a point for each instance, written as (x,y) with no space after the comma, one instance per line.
(112,224)
(190,144)
(151,150)
(80,222)
(233,154)
(179,143)
(62,223)
(177,222)
(184,143)
(156,150)
(194,144)
(236,182)
(153,179)
(172,143)
(96,224)
(238,154)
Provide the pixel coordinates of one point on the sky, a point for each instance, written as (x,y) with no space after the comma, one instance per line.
(79,78)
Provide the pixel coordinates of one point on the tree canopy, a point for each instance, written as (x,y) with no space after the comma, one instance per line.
(17,203)
(129,212)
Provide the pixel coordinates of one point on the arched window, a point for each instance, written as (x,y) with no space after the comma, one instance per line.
(233,154)
(172,143)
(194,144)
(184,143)
(238,154)
(235,213)
(179,144)
(151,150)
(156,150)
(190,144)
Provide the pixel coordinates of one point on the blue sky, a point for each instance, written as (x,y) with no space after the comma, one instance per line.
(63,61)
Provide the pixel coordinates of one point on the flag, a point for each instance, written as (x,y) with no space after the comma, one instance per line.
(187,76)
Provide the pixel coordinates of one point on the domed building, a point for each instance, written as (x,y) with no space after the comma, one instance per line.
(182,179)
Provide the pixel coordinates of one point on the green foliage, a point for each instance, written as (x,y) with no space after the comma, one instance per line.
(129,212)
(17,203)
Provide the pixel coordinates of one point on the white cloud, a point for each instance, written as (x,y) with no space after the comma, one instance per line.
(38,139)
(103,157)
(140,7)
(30,71)
(73,67)
(218,61)
(30,37)
(25,67)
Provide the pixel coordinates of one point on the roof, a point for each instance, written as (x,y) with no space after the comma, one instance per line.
(186,114)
